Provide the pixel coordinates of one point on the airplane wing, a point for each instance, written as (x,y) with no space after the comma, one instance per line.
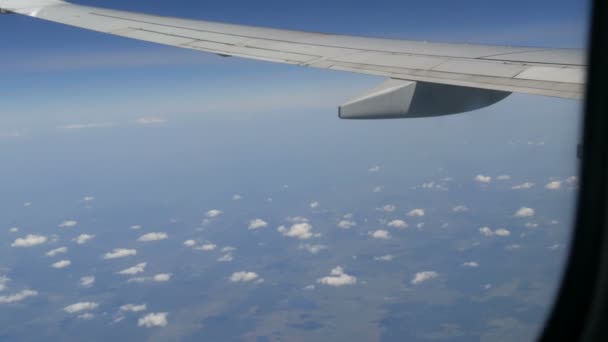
(423,78)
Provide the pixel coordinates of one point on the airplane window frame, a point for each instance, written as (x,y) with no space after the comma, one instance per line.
(580,312)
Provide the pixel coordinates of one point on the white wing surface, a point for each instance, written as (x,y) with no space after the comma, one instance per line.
(428,70)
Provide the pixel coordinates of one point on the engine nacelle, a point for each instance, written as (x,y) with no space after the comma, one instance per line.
(409,99)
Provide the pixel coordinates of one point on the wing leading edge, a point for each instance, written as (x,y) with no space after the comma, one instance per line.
(436,67)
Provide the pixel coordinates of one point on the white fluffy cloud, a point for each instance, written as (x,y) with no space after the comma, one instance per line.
(83,238)
(29,240)
(502,232)
(313,249)
(161,277)
(421,277)
(137,280)
(432,185)
(338,277)
(225,258)
(156,236)
(206,247)
(374,168)
(150,320)
(526,185)
(301,231)
(416,213)
(554,185)
(572,180)
(296,219)
(555,246)
(150,121)
(57,251)
(512,247)
(503,177)
(189,243)
(88,125)
(243,277)
(88,198)
(314,205)
(531,225)
(134,307)
(380,234)
(471,264)
(524,212)
(139,268)
(119,253)
(483,179)
(13,229)
(460,209)
(346,224)
(389,208)
(61,264)
(387,257)
(81,306)
(486,231)
(399,224)
(214,213)
(68,224)
(236,197)
(17,297)
(87,281)
(257,224)
(136,227)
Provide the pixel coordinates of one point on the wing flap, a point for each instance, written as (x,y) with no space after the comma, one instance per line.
(155,37)
(553,74)
(474,67)
(254,53)
(386,59)
(556,89)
